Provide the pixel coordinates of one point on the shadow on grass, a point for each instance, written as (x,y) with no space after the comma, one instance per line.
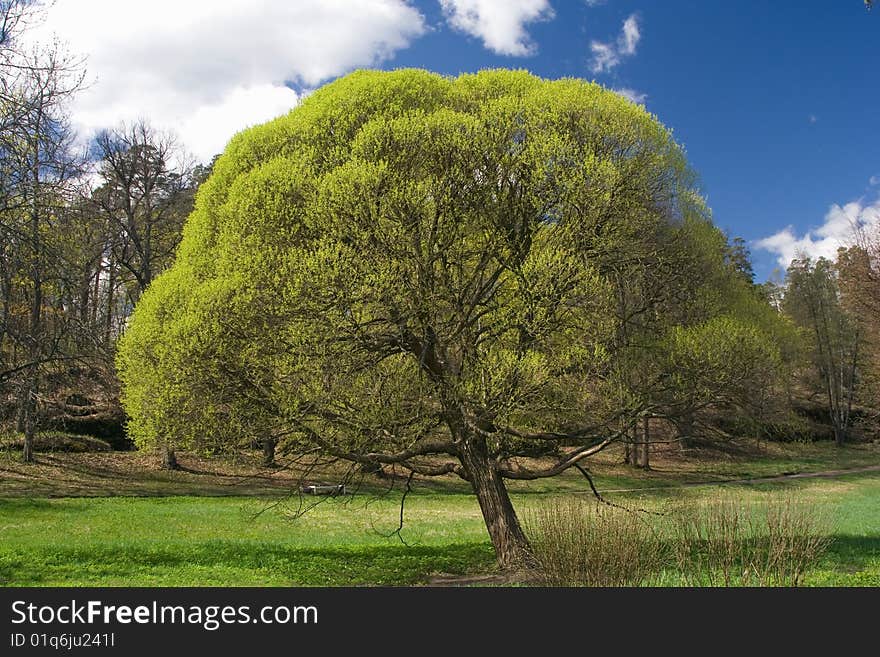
(239,563)
(28,506)
(854,551)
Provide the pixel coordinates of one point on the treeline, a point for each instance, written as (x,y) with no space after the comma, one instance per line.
(679,342)
(83,232)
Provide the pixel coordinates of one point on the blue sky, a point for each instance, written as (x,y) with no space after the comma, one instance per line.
(777,103)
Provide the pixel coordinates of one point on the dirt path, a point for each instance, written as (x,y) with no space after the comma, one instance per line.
(825,474)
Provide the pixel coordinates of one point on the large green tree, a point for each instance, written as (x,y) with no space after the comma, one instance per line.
(422,273)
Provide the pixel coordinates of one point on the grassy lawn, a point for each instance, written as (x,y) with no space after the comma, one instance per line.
(189,541)
(209,532)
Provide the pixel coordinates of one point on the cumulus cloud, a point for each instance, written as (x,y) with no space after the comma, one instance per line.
(607,55)
(632,95)
(208,68)
(836,231)
(500,24)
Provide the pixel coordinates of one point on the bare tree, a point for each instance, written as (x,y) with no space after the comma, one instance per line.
(38,167)
(146,192)
(859,271)
(146,178)
(145,196)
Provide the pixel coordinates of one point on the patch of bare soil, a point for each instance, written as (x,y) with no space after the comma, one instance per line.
(518,578)
(824,474)
(100,474)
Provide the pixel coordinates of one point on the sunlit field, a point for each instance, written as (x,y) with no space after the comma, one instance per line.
(200,536)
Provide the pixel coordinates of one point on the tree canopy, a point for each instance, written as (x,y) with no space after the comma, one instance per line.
(441,276)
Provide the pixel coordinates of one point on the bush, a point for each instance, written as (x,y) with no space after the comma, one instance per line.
(732,543)
(720,543)
(581,544)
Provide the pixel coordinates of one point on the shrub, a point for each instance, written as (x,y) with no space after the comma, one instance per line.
(582,544)
(719,543)
(733,543)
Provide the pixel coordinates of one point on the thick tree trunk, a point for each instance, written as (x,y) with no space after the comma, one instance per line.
(169,459)
(269,443)
(685,426)
(646,441)
(631,454)
(512,548)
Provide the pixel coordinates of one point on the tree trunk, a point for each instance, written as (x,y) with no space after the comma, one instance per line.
(27,417)
(631,455)
(28,409)
(839,435)
(646,439)
(269,443)
(685,426)
(169,459)
(96,295)
(512,548)
(27,450)
(111,284)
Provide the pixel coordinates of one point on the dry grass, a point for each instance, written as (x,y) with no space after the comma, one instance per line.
(716,543)
(734,543)
(581,544)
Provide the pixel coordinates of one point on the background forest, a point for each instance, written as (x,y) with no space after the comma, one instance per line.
(85,230)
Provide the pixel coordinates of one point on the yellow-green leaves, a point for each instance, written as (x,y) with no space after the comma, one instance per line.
(401,244)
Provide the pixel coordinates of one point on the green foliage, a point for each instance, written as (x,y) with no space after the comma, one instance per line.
(723,358)
(395,208)
(405,255)
(833,336)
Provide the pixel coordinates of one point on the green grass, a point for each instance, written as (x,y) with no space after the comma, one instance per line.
(183,541)
(248,541)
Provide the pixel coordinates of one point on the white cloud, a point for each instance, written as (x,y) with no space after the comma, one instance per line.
(632,95)
(605,57)
(208,68)
(873,181)
(499,23)
(209,125)
(595,3)
(836,231)
(630,36)
(608,55)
